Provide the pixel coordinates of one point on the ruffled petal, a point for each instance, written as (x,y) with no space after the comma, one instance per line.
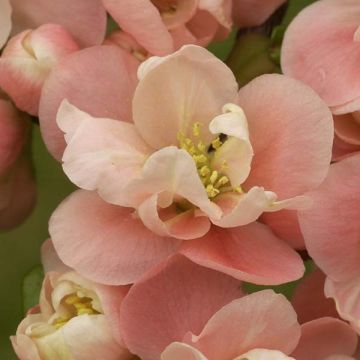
(84,19)
(251,253)
(262,354)
(276,108)
(263,320)
(181,351)
(170,301)
(325,32)
(195,85)
(99,80)
(128,249)
(347,128)
(219,9)
(325,337)
(102,154)
(334,216)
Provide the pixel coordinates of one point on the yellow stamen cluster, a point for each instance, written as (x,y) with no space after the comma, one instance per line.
(79,306)
(214,182)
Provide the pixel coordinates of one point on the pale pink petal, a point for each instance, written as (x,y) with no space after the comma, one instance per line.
(220,9)
(319,49)
(262,320)
(84,223)
(248,13)
(142,20)
(185,225)
(27,61)
(171,171)
(346,295)
(84,19)
(172,300)
(276,108)
(183,36)
(285,224)
(5,21)
(203,84)
(76,79)
(342,149)
(331,227)
(325,337)
(102,154)
(181,351)
(50,259)
(21,193)
(251,253)
(309,299)
(347,128)
(262,354)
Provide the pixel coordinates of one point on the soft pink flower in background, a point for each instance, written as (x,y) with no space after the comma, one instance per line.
(144,166)
(331,230)
(17,188)
(322,48)
(75,319)
(27,60)
(189,312)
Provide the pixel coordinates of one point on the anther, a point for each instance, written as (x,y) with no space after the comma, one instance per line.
(211,191)
(216,143)
(196,129)
(222,181)
(213,177)
(205,171)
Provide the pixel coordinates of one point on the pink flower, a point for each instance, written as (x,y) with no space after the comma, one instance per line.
(189,312)
(331,231)
(27,61)
(76,319)
(173,166)
(17,188)
(162,26)
(321,48)
(85,20)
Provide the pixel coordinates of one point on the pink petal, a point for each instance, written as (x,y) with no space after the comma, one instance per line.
(102,154)
(5,21)
(248,13)
(76,79)
(192,86)
(324,337)
(285,224)
(347,128)
(324,32)
(84,19)
(283,163)
(322,226)
(251,253)
(181,351)
(203,26)
(309,300)
(262,320)
(172,300)
(346,295)
(142,20)
(262,354)
(27,61)
(185,225)
(50,259)
(342,149)
(128,249)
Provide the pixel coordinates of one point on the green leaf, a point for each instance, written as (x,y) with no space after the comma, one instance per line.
(222,49)
(31,287)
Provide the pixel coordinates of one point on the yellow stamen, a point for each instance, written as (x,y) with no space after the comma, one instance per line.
(216,143)
(196,129)
(211,191)
(213,177)
(86,311)
(238,189)
(200,159)
(205,171)
(222,181)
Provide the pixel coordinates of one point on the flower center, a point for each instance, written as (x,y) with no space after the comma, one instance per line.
(215,182)
(76,306)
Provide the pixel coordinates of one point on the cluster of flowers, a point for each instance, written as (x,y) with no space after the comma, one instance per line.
(188,186)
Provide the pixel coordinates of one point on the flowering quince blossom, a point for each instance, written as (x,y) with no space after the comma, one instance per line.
(198,153)
(188,312)
(331,230)
(162,26)
(17,188)
(74,320)
(28,59)
(322,48)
